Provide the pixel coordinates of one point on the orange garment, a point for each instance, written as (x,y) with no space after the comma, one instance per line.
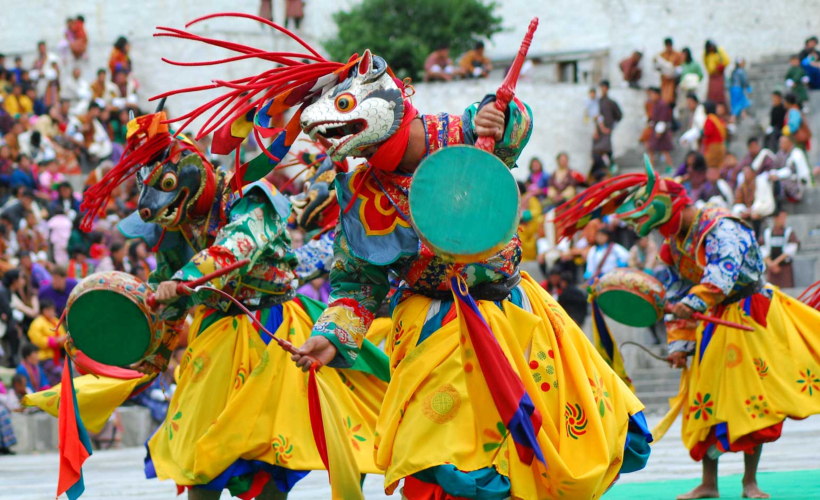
(118,60)
(714,141)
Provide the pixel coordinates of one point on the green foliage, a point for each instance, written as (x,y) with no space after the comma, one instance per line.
(405,32)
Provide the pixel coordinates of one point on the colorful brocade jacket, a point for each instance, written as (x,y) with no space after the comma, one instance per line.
(251,226)
(717,262)
(375,239)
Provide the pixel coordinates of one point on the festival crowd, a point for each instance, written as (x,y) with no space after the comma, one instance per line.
(61,130)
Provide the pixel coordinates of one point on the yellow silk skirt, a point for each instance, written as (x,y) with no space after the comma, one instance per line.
(431,415)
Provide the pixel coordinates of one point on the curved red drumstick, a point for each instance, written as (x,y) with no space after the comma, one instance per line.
(712,319)
(185,287)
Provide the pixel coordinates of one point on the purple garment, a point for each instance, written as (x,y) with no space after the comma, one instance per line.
(40,276)
(58,297)
(321,294)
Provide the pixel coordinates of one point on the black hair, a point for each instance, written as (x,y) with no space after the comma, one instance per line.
(567,276)
(710,45)
(795,56)
(121,43)
(41,42)
(751,140)
(47,303)
(687,55)
(479,45)
(554,270)
(94,104)
(29,349)
(605,230)
(778,93)
(693,96)
(10,277)
(790,98)
(443,46)
(23,253)
(604,83)
(116,247)
(654,89)
(699,164)
(668,41)
(101,70)
(18,58)
(80,17)
(709,107)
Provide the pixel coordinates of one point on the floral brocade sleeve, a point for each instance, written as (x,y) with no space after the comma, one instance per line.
(358,288)
(255,232)
(516,134)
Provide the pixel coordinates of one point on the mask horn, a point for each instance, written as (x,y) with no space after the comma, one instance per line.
(650,174)
(160,105)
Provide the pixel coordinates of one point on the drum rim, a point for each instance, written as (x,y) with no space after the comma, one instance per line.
(464,258)
(154,339)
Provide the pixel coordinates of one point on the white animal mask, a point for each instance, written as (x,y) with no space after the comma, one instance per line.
(364,109)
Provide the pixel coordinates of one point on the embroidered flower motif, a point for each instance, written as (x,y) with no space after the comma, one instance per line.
(734,356)
(282,449)
(600,394)
(497,437)
(761,367)
(701,406)
(575,421)
(756,407)
(809,381)
(355,439)
(171,425)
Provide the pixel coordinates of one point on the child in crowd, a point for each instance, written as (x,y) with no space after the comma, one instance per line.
(50,339)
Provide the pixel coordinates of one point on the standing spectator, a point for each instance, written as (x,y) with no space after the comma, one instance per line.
(294,10)
(562,184)
(439,66)
(18,71)
(475,64)
(592,107)
(777,116)
(797,80)
(602,154)
(58,290)
(643,256)
(37,275)
(715,60)
(30,369)
(538,177)
(17,104)
(697,120)
(266,9)
(604,256)
(696,183)
(713,142)
(631,70)
(90,135)
(667,63)
(795,124)
(15,211)
(8,404)
(754,199)
(660,123)
(22,298)
(778,246)
(739,87)
(67,200)
(690,72)
(120,59)
(49,336)
(126,91)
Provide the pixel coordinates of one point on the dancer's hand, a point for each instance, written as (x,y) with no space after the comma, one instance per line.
(682,311)
(677,359)
(167,291)
(489,121)
(318,348)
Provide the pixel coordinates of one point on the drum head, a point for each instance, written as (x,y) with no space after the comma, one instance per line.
(109,327)
(627,308)
(464,203)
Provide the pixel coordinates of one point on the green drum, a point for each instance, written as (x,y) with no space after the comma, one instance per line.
(630,297)
(109,320)
(464,203)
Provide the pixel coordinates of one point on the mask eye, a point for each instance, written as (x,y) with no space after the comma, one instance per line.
(639,203)
(345,103)
(168,181)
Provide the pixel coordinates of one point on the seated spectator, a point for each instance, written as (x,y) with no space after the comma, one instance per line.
(90,136)
(810,60)
(75,89)
(796,126)
(138,259)
(116,260)
(562,184)
(695,182)
(795,176)
(67,199)
(717,191)
(126,91)
(49,338)
(797,80)
(538,177)
(439,66)
(754,199)
(777,116)
(7,437)
(36,272)
(761,159)
(58,290)
(731,170)
(631,70)
(31,239)
(23,175)
(103,89)
(18,104)
(30,369)
(572,299)
(78,266)
(475,64)
(778,246)
(604,256)
(643,256)
(552,284)
(22,297)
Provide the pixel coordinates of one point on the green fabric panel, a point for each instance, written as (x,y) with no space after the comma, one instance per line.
(240,484)
(312,307)
(372,360)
